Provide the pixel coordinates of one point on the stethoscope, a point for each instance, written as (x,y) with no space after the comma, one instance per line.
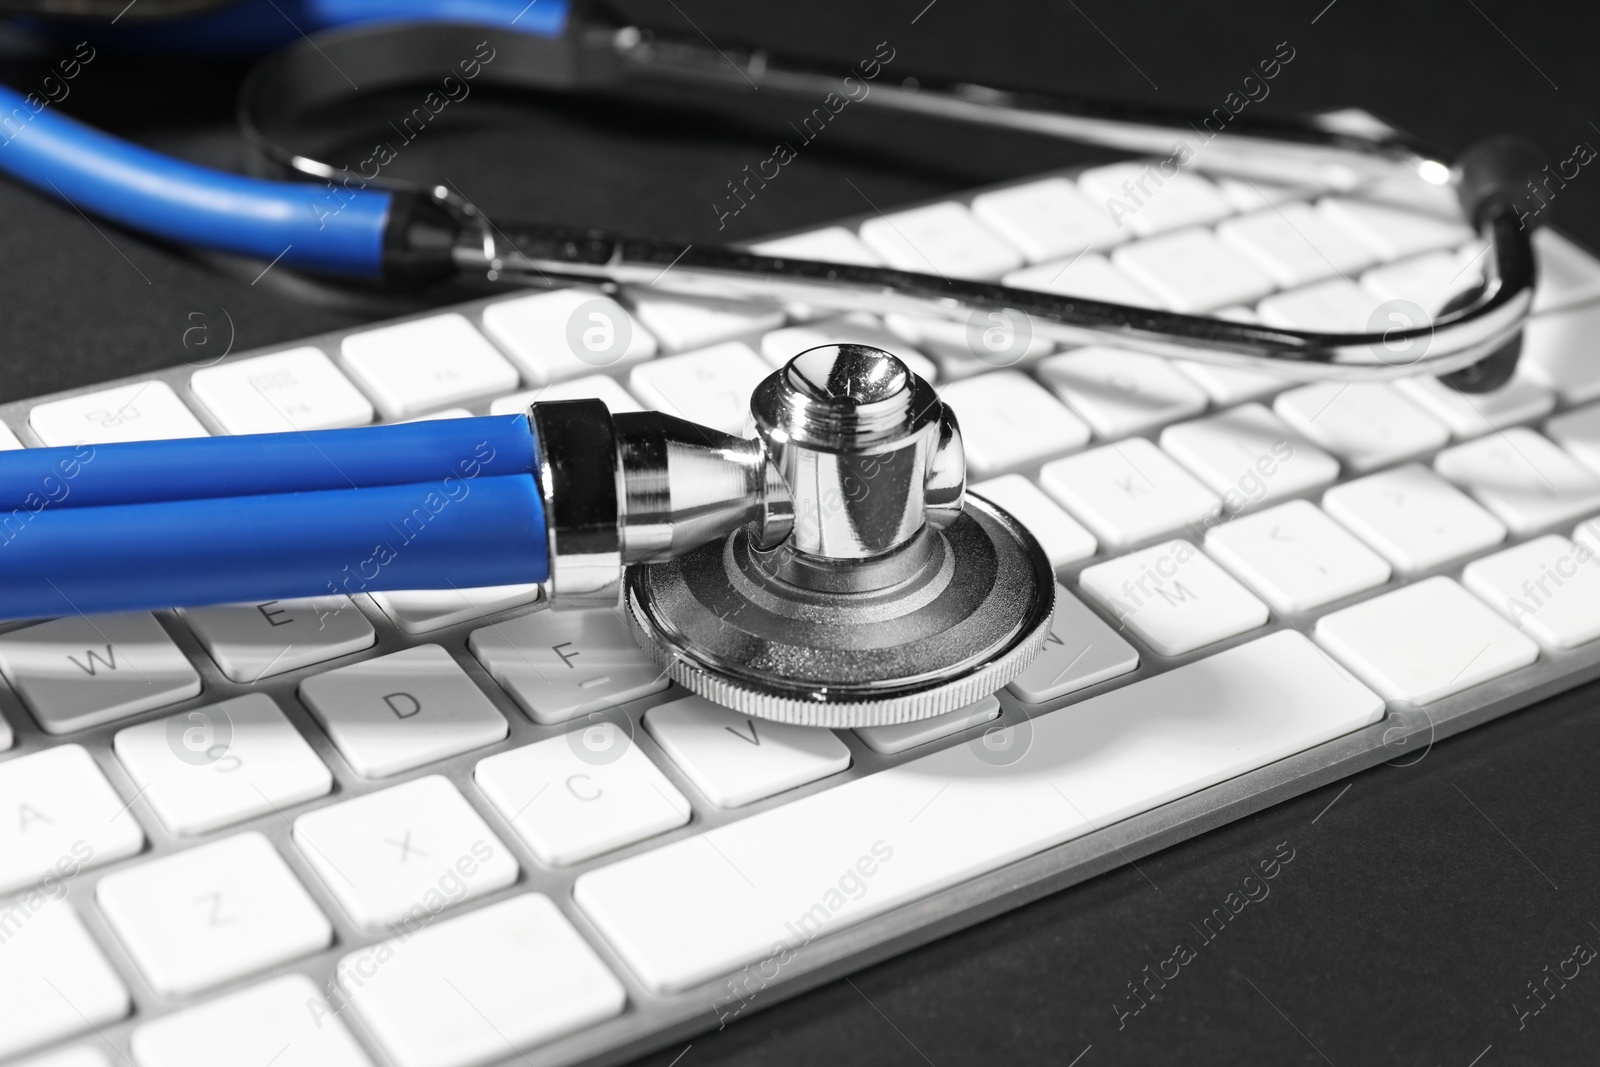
(848,504)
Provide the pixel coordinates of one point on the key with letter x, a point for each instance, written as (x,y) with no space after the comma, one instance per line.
(404,855)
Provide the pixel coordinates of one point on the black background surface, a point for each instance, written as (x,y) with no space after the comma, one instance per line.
(1417,906)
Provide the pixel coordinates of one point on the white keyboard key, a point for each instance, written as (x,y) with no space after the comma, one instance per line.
(1588,534)
(1296,557)
(478,988)
(54,981)
(592,387)
(299,389)
(1063,539)
(77,672)
(575,797)
(1424,642)
(447,413)
(1333,306)
(1567,274)
(401,856)
(403,710)
(420,611)
(710,903)
(1081,651)
(197,919)
(904,736)
(831,244)
(953,345)
(1549,587)
(681,323)
(1579,433)
(1558,350)
(1366,424)
(8,438)
(711,386)
(82,1056)
(566,333)
(255,641)
(1429,281)
(1174,597)
(1529,483)
(216,766)
(1192,271)
(428,363)
(1472,415)
(1250,194)
(780,346)
(942,239)
(59,816)
(1047,219)
(1249,457)
(1138,196)
(736,759)
(1128,493)
(143,411)
(1088,275)
(1392,232)
(558,665)
(1228,386)
(284,1022)
(1121,393)
(1404,191)
(991,407)
(1415,519)
(1294,245)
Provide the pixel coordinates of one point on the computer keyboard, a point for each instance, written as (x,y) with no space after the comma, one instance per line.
(451,828)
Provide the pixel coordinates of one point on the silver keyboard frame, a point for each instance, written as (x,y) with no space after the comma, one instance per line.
(651,1022)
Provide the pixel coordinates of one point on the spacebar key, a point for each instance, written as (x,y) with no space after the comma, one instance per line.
(706,905)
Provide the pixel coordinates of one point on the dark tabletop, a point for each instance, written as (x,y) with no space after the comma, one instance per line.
(1421,900)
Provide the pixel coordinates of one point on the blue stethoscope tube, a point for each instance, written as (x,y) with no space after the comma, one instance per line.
(188,204)
(431,505)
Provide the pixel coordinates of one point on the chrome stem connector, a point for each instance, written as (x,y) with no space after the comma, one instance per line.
(643,487)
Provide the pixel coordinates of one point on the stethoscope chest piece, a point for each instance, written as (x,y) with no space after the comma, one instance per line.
(895,595)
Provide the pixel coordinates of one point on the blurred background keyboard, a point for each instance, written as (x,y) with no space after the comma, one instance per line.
(446,828)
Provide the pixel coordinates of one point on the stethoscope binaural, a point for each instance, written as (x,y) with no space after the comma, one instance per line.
(408,237)
(830,570)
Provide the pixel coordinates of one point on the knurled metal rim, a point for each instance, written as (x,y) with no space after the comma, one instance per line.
(909,704)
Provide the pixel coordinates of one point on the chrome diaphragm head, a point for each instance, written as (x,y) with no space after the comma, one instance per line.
(893,596)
